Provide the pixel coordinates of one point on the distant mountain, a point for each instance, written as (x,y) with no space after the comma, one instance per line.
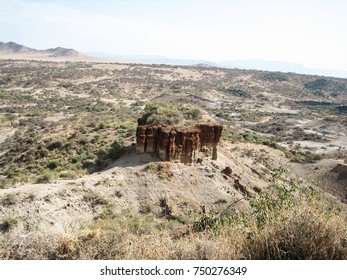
(12,50)
(12,47)
(257,64)
(152,59)
(56,52)
(266,65)
(253,64)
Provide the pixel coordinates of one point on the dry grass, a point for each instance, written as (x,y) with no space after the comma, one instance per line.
(292,222)
(305,230)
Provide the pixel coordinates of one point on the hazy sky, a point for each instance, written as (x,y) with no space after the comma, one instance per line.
(312,33)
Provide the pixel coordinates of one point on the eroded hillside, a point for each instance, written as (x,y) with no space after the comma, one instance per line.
(68,157)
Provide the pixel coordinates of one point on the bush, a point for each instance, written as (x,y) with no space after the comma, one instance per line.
(53,164)
(318,84)
(68,174)
(274,77)
(2,183)
(57,144)
(95,199)
(235,92)
(163,113)
(46,177)
(116,150)
(8,223)
(8,200)
(101,125)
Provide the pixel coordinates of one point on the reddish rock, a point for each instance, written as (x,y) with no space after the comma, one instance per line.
(163,143)
(227,171)
(182,144)
(151,139)
(141,139)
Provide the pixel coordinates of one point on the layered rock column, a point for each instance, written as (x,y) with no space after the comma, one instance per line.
(210,136)
(182,144)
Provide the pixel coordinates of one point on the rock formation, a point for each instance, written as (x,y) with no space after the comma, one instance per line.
(341,170)
(184,144)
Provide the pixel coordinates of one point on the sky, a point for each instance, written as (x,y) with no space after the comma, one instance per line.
(308,32)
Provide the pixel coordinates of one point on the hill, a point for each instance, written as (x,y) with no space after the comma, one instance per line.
(12,50)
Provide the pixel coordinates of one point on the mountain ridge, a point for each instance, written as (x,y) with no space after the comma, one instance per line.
(245,64)
(12,47)
(12,50)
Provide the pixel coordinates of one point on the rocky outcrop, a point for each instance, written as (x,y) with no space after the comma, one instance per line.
(184,144)
(341,170)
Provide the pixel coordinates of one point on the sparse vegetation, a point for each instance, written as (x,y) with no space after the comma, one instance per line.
(94,199)
(45,177)
(248,136)
(275,77)
(163,169)
(235,92)
(171,113)
(69,119)
(291,223)
(8,223)
(318,84)
(8,200)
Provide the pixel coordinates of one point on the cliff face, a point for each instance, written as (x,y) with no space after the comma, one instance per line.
(183,144)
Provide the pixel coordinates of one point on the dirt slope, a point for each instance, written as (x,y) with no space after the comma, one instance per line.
(132,183)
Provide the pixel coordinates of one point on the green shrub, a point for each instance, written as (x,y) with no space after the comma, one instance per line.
(101,125)
(83,129)
(68,174)
(274,77)
(53,164)
(5,80)
(209,221)
(95,199)
(8,223)
(10,117)
(46,177)
(108,212)
(235,92)
(56,144)
(318,84)
(164,113)
(2,183)
(116,149)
